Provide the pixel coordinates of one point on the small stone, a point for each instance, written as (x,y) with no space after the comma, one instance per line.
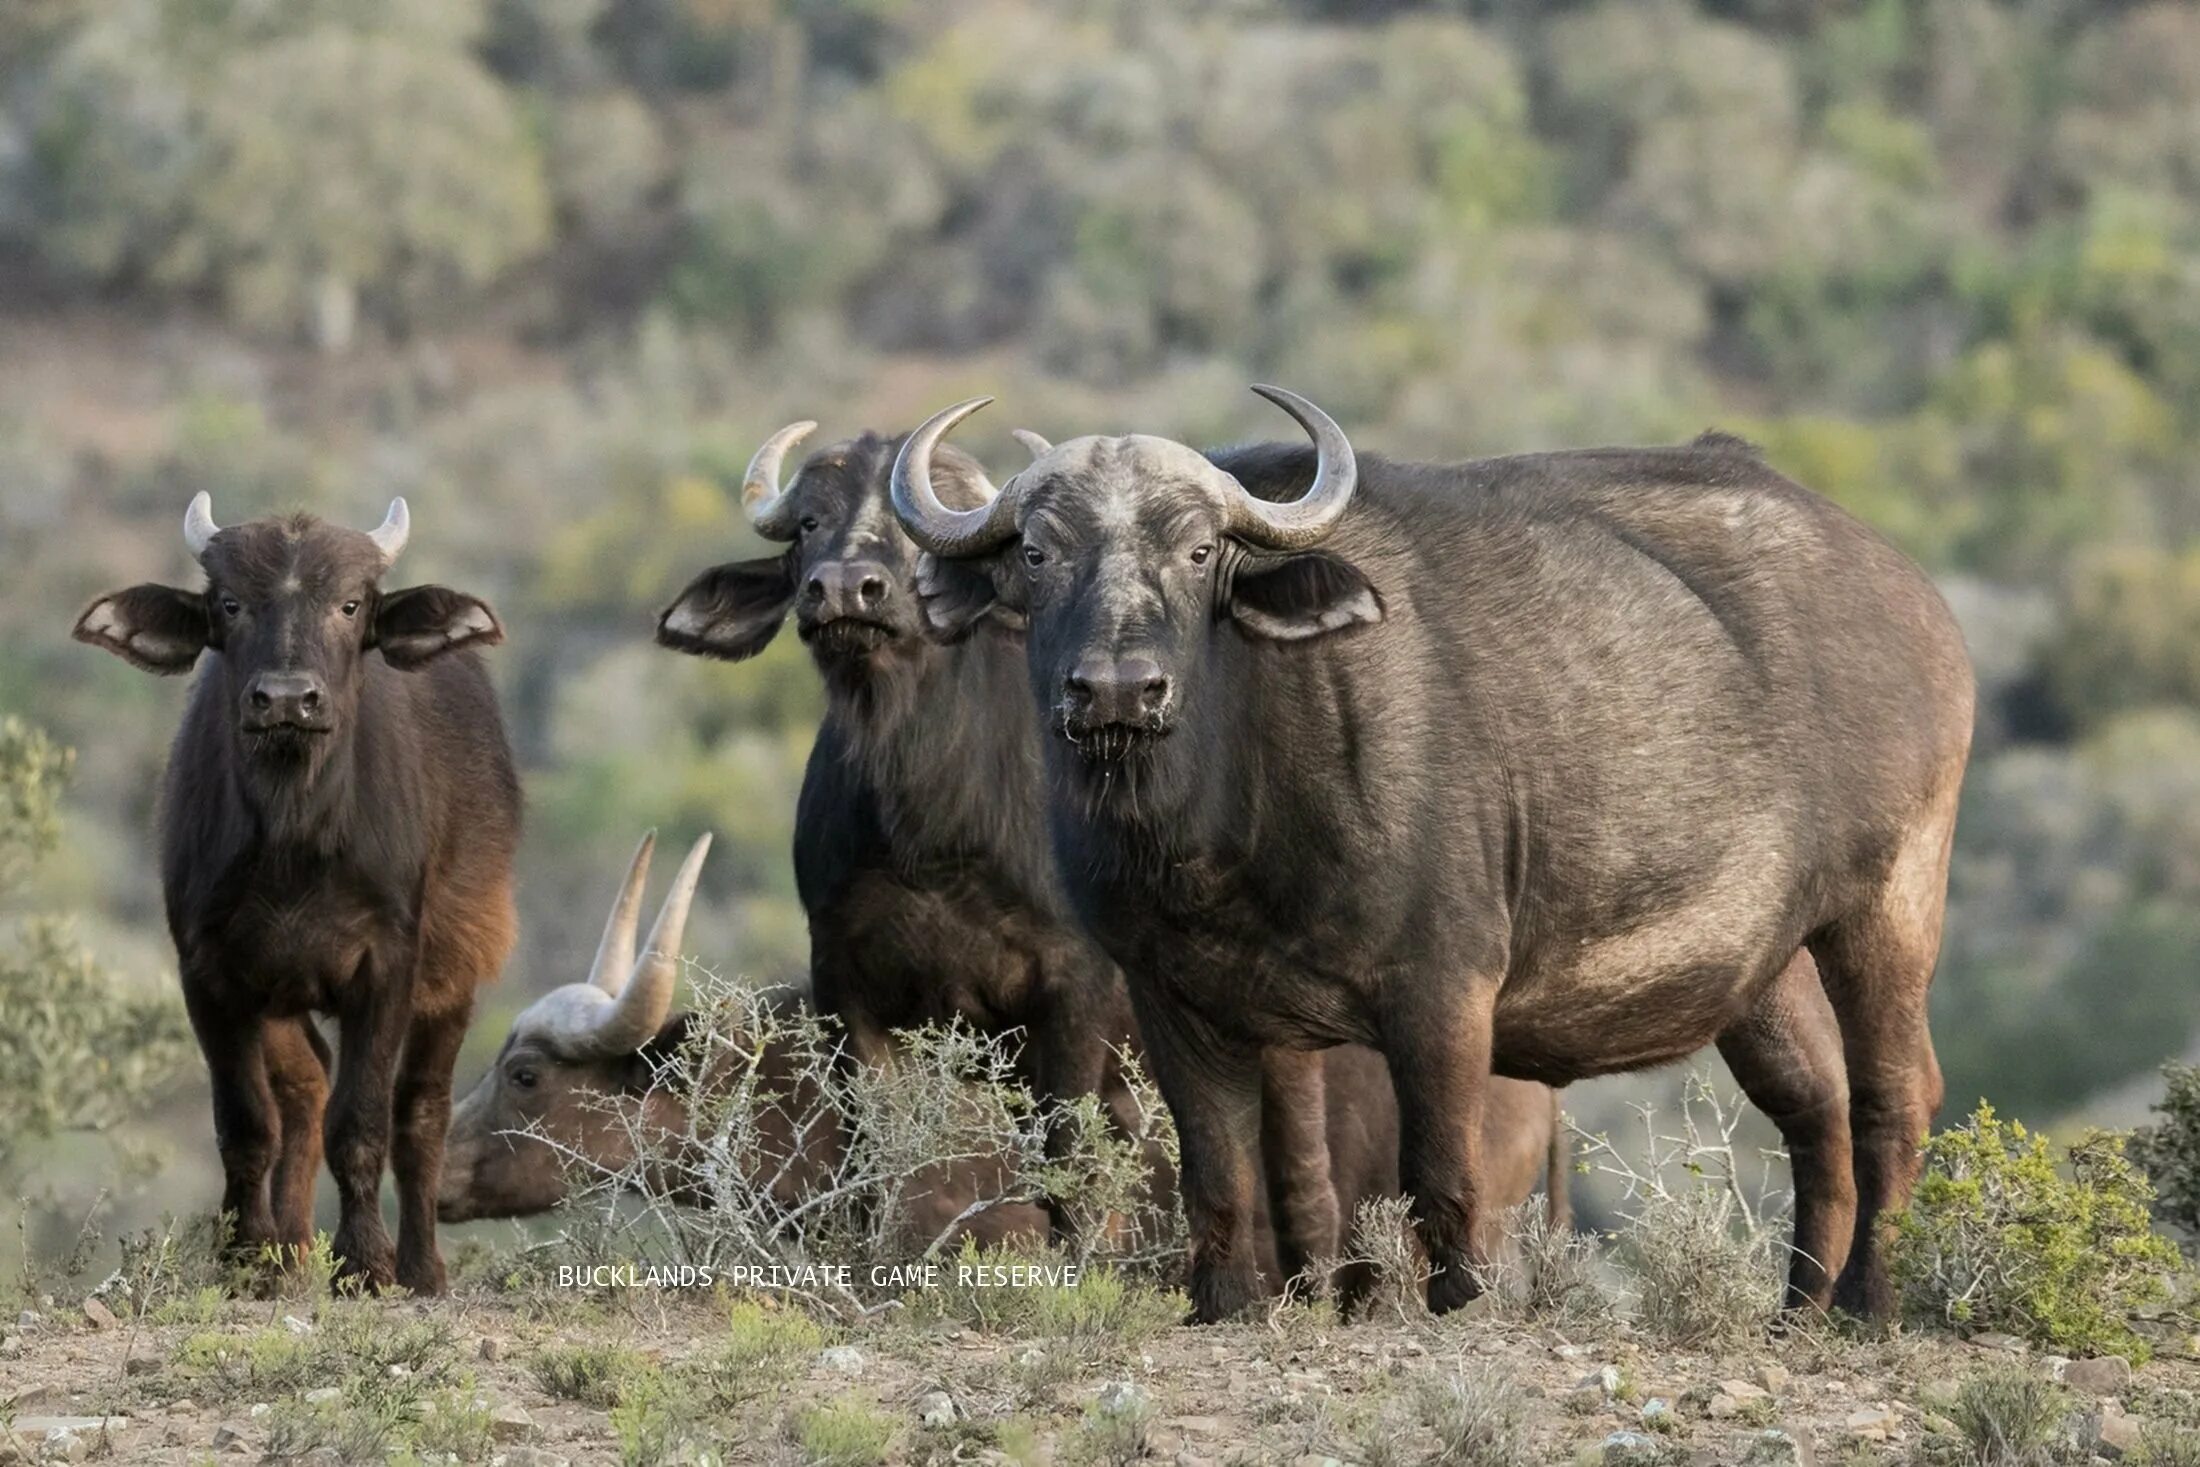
(183,1406)
(42,1426)
(297,1325)
(491,1348)
(1120,1398)
(38,1393)
(1658,1414)
(936,1408)
(1774,1378)
(143,1365)
(1777,1448)
(1196,1425)
(11,1345)
(1742,1390)
(1722,1407)
(1993,1339)
(258,1410)
(320,1395)
(229,1437)
(845,1359)
(2104,1376)
(2116,1436)
(529,1457)
(28,1319)
(1605,1380)
(511,1424)
(96,1310)
(1872,1424)
(1632,1449)
(1193,1459)
(63,1446)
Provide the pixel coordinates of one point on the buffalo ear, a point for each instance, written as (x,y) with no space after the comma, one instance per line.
(421,623)
(158,628)
(957,595)
(1302,596)
(729,611)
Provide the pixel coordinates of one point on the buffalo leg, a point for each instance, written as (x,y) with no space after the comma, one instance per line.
(1786,1055)
(1877,964)
(246,1122)
(422,1109)
(297,1063)
(1067,1058)
(1294,1144)
(1213,1092)
(1440,1065)
(359,1111)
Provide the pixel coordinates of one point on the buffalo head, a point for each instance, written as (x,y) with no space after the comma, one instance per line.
(293,607)
(570,1057)
(847,572)
(1127,557)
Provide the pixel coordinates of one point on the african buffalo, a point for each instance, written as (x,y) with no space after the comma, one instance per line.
(920,853)
(337,828)
(1552,764)
(549,1105)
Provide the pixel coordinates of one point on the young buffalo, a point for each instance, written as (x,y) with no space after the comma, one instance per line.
(337,829)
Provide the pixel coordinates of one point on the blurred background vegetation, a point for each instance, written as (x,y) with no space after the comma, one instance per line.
(550,268)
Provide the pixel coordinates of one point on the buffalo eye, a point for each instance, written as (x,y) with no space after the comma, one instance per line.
(525,1077)
(807,523)
(350,609)
(1200,555)
(1034,557)
(230,606)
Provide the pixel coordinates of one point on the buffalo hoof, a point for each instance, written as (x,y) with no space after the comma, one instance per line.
(1223,1294)
(424,1276)
(364,1265)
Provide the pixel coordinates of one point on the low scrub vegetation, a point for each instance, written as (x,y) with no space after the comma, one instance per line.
(919,1150)
(1701,1251)
(1996,1237)
(2168,1151)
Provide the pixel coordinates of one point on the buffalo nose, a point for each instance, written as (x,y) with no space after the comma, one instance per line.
(847,588)
(1117,689)
(285,697)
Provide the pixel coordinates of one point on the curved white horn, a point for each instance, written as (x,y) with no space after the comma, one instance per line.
(199,528)
(1299,523)
(1033,444)
(769,510)
(615,953)
(640,1011)
(396,529)
(943,531)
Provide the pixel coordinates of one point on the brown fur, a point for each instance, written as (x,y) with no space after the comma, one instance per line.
(338,824)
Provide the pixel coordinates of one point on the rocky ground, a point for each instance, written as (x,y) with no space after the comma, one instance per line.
(641,1376)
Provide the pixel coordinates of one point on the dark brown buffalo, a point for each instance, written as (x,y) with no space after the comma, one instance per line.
(1549,764)
(920,851)
(337,829)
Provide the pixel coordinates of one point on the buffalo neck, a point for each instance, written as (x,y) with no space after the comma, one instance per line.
(951,753)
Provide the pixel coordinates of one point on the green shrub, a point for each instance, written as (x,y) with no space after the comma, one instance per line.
(2007,1415)
(594,1375)
(842,1433)
(1996,1238)
(2169,1152)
